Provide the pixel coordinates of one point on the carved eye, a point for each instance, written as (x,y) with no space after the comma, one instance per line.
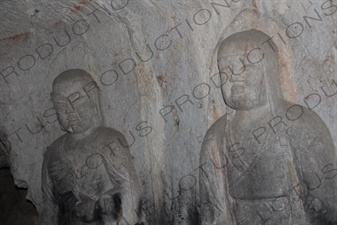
(73,97)
(60,104)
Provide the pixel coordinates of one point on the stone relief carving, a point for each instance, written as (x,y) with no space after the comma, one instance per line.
(88,176)
(273,162)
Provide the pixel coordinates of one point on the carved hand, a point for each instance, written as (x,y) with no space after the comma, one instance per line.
(85,210)
(110,204)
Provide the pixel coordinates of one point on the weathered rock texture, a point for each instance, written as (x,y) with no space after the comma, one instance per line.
(154,62)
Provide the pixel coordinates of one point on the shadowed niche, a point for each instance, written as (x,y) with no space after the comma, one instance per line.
(14,208)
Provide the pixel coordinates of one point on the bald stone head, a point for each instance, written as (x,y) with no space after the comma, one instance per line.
(76,100)
(245,60)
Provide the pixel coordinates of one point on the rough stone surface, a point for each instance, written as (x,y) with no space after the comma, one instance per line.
(39,40)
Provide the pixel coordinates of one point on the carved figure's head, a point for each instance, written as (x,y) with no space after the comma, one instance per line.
(76,100)
(246,60)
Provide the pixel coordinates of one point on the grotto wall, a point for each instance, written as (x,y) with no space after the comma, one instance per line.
(155,63)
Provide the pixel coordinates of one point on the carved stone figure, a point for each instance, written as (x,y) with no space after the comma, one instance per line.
(270,161)
(88,176)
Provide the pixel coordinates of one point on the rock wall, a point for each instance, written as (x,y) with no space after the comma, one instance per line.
(155,64)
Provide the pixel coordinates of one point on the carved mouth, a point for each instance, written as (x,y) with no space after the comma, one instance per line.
(73,117)
(237,88)
(73,121)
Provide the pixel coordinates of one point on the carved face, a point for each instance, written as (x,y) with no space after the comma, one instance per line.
(77,112)
(246,86)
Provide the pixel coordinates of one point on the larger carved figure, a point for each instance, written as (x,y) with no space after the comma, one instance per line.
(269,162)
(88,176)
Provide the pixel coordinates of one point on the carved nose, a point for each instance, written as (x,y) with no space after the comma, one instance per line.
(237,73)
(236,78)
(72,116)
(238,68)
(70,108)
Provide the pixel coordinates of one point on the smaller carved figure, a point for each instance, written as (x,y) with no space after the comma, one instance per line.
(88,176)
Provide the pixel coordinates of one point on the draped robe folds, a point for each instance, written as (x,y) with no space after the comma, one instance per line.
(288,175)
(84,170)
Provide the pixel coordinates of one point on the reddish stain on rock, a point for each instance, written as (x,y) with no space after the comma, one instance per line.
(15,37)
(254,4)
(57,23)
(77,7)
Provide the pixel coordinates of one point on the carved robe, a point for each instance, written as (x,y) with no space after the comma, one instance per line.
(285,176)
(79,172)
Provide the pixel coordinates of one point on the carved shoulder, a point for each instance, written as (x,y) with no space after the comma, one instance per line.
(55,147)
(310,135)
(113,146)
(214,137)
(107,135)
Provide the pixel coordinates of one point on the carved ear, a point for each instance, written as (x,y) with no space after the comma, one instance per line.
(96,107)
(95,101)
(63,129)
